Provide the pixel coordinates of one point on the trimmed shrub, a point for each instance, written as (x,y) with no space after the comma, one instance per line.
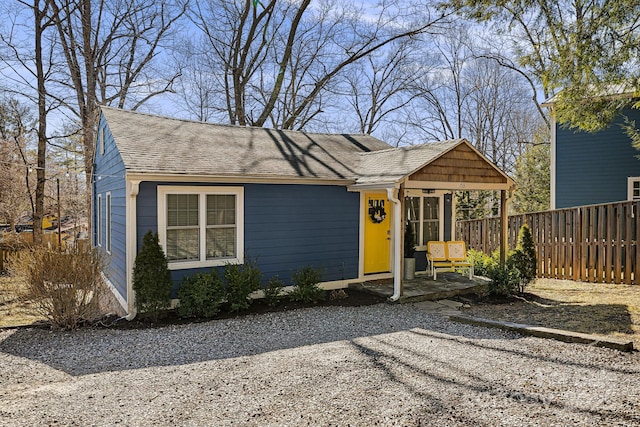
(240,282)
(66,287)
(505,280)
(273,291)
(200,295)
(152,278)
(305,285)
(524,257)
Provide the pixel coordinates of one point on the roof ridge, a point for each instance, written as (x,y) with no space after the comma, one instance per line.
(413,147)
(227,125)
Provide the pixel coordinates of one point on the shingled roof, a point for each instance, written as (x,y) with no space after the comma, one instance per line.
(153,144)
(393,164)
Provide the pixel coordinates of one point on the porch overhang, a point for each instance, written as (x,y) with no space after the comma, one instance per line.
(451,165)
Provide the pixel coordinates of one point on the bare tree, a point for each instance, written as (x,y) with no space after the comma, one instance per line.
(279,57)
(16,123)
(111,49)
(29,59)
(377,87)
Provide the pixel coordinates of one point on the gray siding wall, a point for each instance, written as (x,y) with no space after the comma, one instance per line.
(109,176)
(286,227)
(593,168)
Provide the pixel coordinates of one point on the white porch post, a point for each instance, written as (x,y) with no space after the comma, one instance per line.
(392,195)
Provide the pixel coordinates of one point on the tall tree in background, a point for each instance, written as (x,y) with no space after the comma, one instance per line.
(533,178)
(16,125)
(586,48)
(110,49)
(376,88)
(29,59)
(276,58)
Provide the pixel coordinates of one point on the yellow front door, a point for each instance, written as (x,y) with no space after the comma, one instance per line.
(377,233)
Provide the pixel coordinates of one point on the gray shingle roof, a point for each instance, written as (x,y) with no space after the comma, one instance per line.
(393,164)
(153,144)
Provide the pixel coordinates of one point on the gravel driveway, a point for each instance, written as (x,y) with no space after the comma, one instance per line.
(387,365)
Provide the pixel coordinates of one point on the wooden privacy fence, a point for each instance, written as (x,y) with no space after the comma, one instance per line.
(597,243)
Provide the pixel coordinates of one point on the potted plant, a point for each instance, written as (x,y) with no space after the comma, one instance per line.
(409,250)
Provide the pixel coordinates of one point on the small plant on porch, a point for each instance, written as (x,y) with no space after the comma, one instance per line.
(152,278)
(409,251)
(409,241)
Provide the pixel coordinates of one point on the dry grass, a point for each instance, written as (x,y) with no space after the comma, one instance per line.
(592,308)
(14,311)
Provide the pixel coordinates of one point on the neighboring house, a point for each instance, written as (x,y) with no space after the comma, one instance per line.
(217,194)
(593,168)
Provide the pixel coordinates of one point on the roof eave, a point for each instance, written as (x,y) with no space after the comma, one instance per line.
(232,178)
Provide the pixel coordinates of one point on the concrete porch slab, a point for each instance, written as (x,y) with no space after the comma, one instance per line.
(424,288)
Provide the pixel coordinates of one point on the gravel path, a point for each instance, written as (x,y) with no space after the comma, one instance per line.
(386,365)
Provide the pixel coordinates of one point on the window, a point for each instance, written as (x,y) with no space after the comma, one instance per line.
(423,215)
(633,190)
(98,224)
(108,222)
(201,226)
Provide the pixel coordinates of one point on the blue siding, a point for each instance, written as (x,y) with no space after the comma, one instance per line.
(286,227)
(593,168)
(109,176)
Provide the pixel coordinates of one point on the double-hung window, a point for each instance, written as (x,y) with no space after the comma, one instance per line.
(423,213)
(201,226)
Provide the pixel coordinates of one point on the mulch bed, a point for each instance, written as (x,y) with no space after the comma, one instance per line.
(350,298)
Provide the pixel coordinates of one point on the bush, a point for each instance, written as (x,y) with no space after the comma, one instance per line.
(482,263)
(305,285)
(65,287)
(505,280)
(152,278)
(200,295)
(524,258)
(241,281)
(273,291)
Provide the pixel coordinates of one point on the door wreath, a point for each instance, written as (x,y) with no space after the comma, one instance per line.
(377,213)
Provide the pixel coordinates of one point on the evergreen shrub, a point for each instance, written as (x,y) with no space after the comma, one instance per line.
(240,281)
(201,295)
(273,291)
(305,285)
(152,278)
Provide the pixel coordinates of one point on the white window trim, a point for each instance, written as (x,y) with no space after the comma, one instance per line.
(107,229)
(202,192)
(630,181)
(99,221)
(436,194)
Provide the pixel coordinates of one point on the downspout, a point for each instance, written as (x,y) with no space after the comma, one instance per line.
(397,250)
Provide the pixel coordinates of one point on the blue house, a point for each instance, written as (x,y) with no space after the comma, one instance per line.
(216,194)
(592,168)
